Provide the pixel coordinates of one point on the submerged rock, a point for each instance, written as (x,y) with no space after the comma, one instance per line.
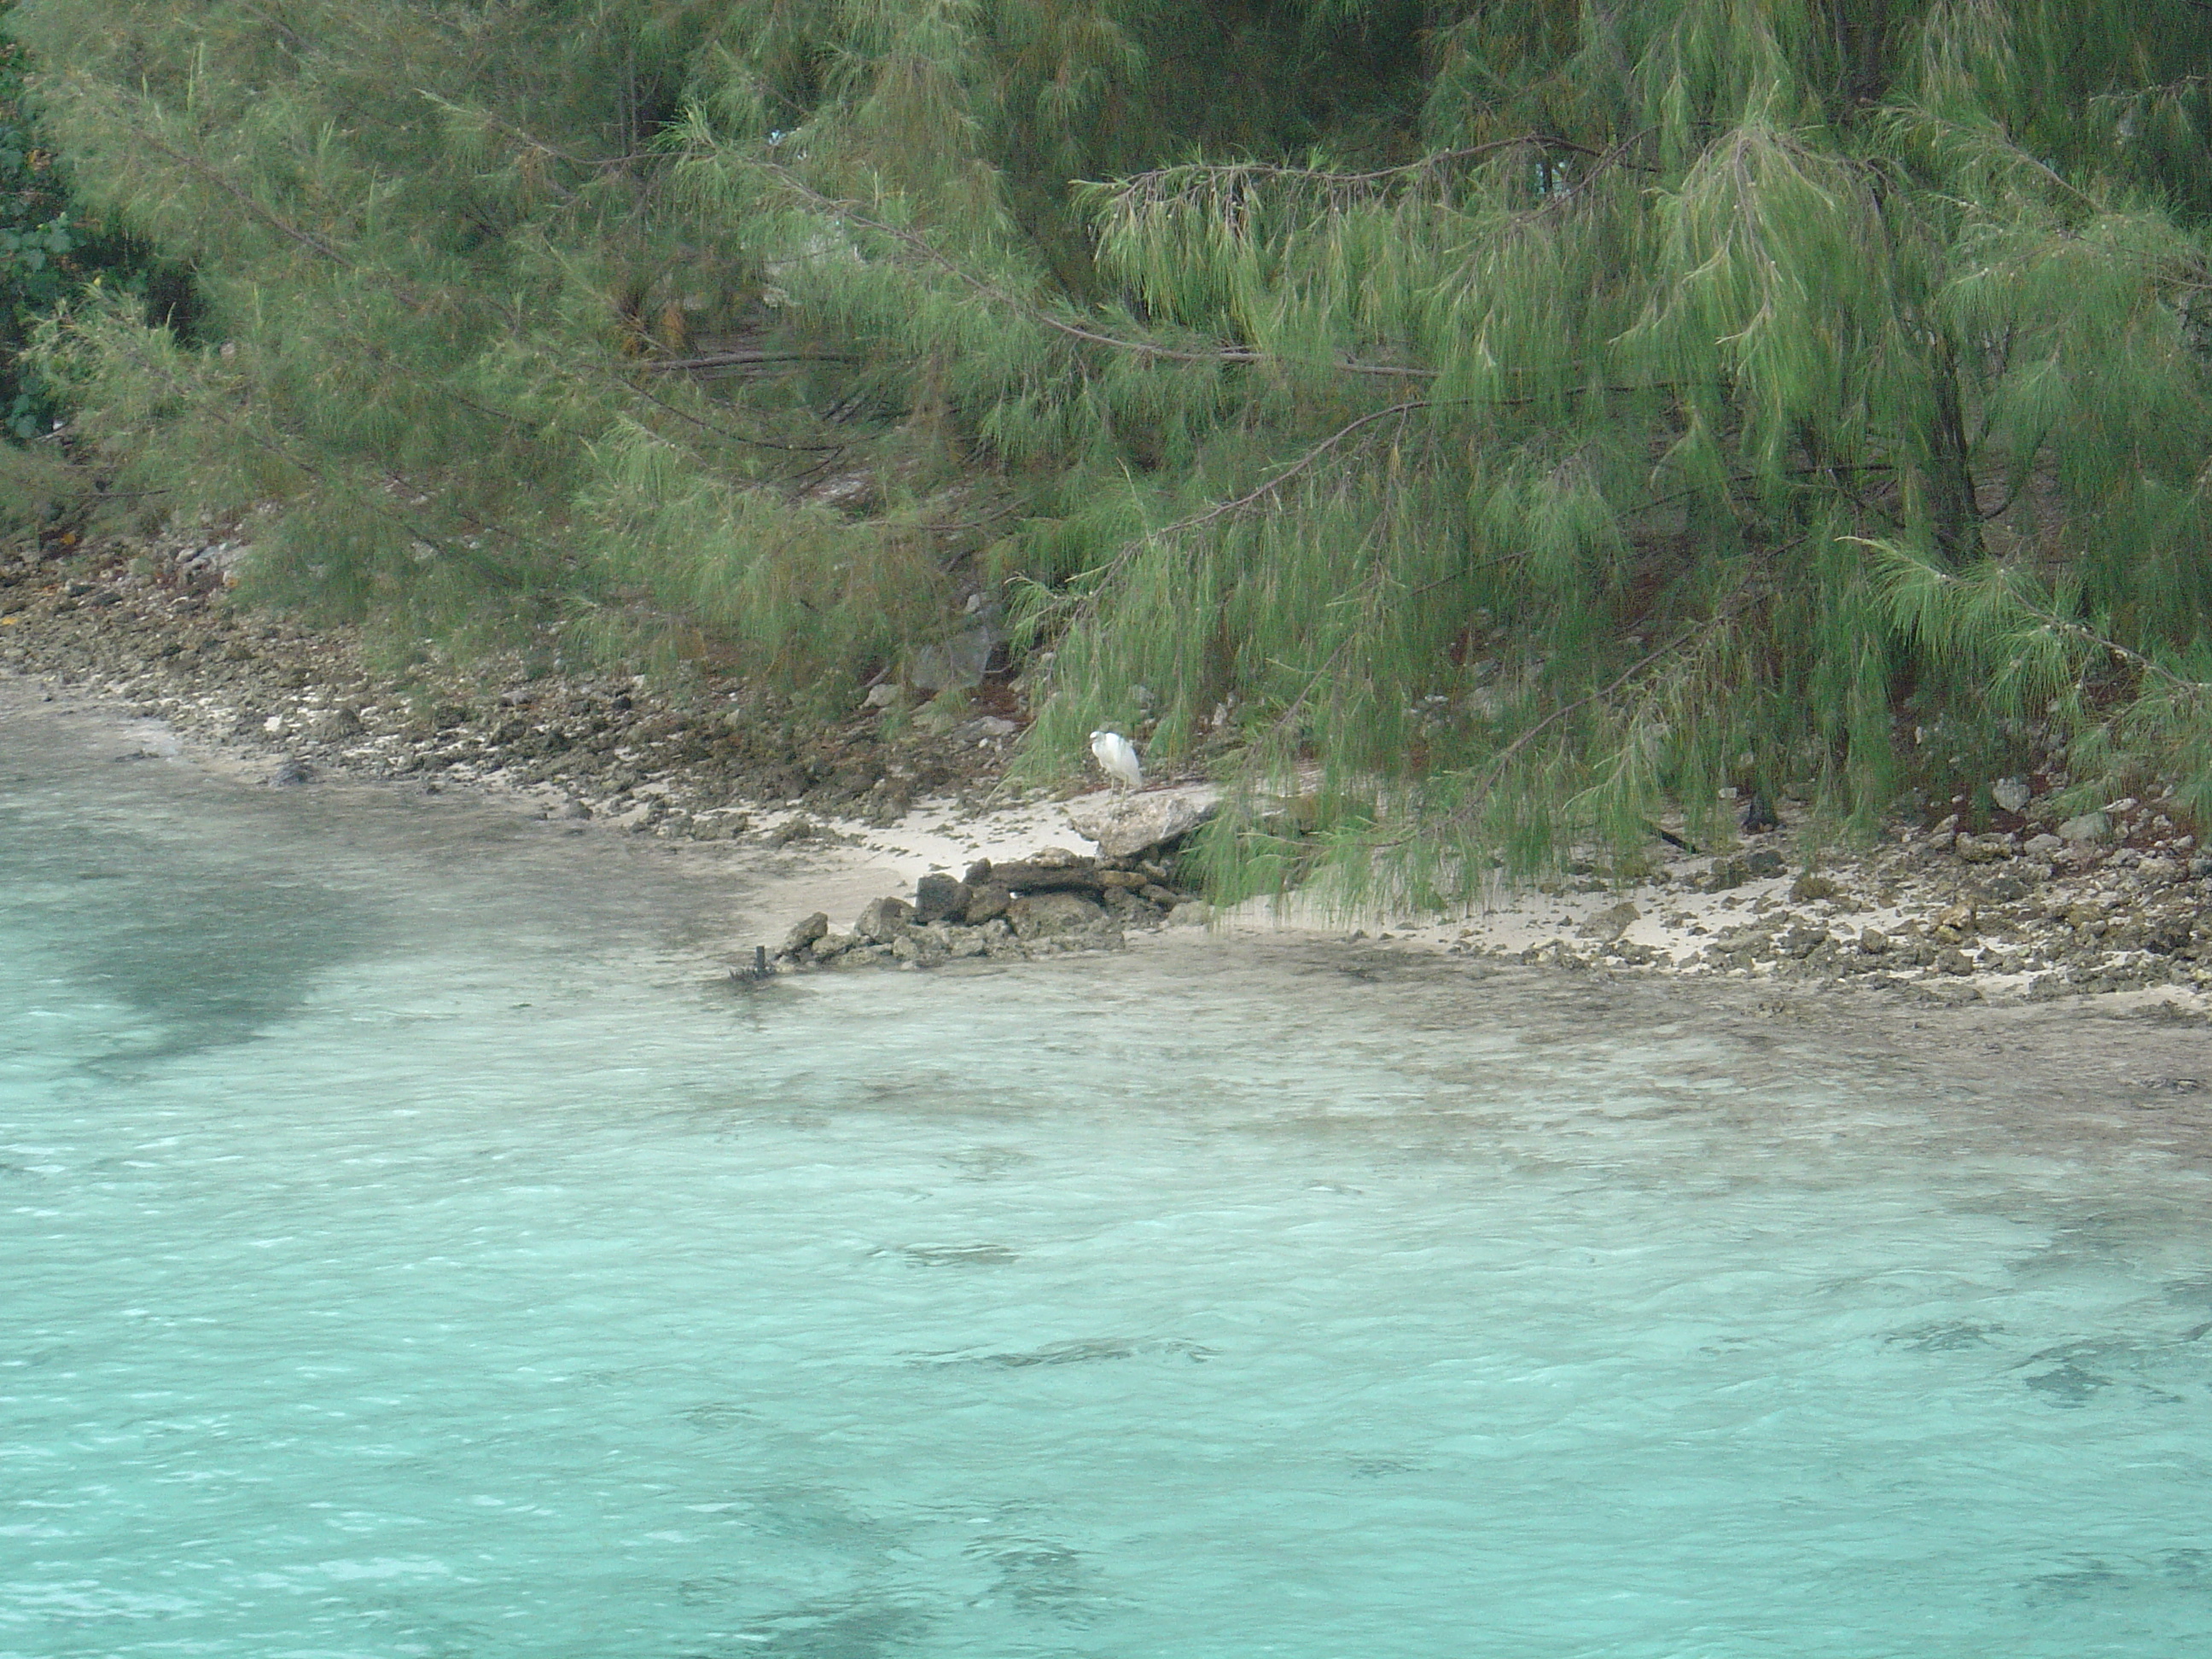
(921,946)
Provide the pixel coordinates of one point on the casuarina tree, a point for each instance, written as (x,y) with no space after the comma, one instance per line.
(1481,427)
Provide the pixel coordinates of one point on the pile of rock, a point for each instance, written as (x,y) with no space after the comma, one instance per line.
(1051,901)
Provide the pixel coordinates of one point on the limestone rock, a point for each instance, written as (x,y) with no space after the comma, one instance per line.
(803,934)
(1801,940)
(1038,875)
(1726,875)
(883,919)
(801,828)
(1613,922)
(1129,906)
(2090,826)
(1125,826)
(919,946)
(960,660)
(937,896)
(2011,793)
(985,903)
(961,942)
(1051,915)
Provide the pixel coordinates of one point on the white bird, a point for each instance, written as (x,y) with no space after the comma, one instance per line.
(1117,759)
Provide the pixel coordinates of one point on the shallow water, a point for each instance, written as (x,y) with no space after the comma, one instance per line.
(409,1253)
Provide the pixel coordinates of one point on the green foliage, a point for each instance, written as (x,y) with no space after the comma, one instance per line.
(48,250)
(1477,428)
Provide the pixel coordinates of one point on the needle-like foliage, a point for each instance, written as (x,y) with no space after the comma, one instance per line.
(1483,428)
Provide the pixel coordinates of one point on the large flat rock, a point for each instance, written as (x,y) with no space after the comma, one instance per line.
(1125,826)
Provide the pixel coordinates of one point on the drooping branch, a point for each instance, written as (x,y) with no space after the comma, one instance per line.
(852,213)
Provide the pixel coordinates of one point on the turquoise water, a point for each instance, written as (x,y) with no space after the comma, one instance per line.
(409,1253)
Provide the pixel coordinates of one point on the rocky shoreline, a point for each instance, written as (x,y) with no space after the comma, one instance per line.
(2038,907)
(1936,915)
(706,760)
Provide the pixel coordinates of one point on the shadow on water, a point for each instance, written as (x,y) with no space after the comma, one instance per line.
(172,950)
(207,976)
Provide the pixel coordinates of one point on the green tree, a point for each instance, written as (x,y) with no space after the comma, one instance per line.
(1490,424)
(49,252)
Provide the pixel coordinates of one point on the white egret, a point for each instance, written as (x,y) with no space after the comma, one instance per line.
(1117,759)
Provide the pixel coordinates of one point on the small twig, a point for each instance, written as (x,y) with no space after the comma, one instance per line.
(1497,765)
(1276,482)
(724,433)
(245,199)
(741,359)
(1233,170)
(1097,577)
